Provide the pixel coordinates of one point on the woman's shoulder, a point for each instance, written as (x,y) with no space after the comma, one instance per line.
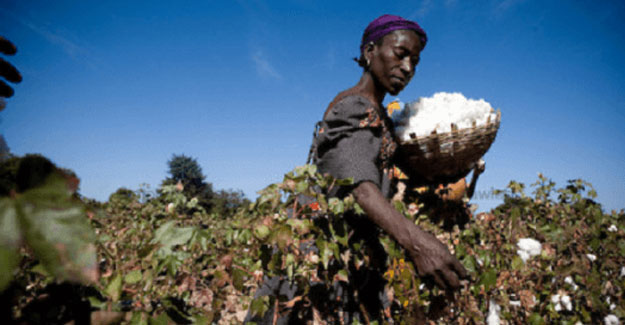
(350,106)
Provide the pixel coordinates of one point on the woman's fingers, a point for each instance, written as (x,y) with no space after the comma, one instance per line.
(459,268)
(5,90)
(451,279)
(439,281)
(7,47)
(9,72)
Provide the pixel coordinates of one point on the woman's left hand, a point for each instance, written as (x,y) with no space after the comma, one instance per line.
(7,71)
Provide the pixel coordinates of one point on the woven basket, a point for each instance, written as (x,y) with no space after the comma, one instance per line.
(447,157)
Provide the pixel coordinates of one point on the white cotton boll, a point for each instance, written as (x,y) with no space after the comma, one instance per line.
(515,303)
(591,257)
(611,320)
(555,300)
(569,280)
(170,207)
(557,307)
(623,271)
(579,323)
(609,303)
(528,247)
(566,301)
(493,313)
(524,255)
(612,228)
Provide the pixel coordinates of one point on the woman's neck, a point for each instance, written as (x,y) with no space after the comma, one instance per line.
(367,87)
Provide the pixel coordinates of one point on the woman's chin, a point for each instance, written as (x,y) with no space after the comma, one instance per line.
(395,90)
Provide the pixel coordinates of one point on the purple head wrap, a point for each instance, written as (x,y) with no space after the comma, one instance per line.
(386,24)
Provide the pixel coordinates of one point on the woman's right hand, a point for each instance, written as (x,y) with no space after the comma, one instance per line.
(431,258)
(434,262)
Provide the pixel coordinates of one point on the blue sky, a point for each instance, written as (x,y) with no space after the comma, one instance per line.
(113,88)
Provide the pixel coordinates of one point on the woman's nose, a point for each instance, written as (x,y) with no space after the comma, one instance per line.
(406,66)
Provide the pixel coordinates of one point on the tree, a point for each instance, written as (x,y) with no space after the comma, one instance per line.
(5,152)
(187,171)
(227,202)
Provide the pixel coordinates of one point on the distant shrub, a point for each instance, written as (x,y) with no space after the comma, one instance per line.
(8,175)
(123,197)
(187,171)
(227,202)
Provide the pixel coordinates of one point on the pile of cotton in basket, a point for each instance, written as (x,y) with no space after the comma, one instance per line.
(438,113)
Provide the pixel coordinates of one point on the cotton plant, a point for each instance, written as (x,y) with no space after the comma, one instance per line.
(437,113)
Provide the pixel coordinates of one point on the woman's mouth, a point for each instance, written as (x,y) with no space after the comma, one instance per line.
(398,80)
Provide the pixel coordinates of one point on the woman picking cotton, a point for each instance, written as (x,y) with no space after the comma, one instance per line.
(355,140)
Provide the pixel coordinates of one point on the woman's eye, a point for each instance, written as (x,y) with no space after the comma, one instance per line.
(400,54)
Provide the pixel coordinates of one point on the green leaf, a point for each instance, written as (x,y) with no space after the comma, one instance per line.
(9,242)
(283,236)
(9,226)
(169,236)
(56,227)
(259,306)
(325,256)
(336,206)
(301,226)
(358,209)
(200,320)
(470,264)
(342,276)
(345,182)
(517,263)
(262,232)
(535,319)
(238,278)
(138,318)
(301,187)
(133,277)
(8,263)
(161,319)
(488,279)
(114,288)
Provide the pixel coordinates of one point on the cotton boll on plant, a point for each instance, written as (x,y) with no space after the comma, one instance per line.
(439,112)
(493,313)
(611,320)
(528,247)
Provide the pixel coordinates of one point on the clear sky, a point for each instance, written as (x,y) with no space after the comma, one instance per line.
(112,89)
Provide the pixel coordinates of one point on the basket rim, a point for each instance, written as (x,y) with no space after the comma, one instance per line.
(490,126)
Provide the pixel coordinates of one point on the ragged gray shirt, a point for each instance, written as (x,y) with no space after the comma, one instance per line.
(355,140)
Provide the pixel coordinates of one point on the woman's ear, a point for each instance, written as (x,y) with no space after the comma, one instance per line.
(368,52)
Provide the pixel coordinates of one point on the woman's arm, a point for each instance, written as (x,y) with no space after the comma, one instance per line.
(479,169)
(430,256)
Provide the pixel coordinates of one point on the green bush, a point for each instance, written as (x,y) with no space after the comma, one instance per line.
(163,260)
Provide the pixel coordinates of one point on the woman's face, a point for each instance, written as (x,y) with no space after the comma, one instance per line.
(393,62)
